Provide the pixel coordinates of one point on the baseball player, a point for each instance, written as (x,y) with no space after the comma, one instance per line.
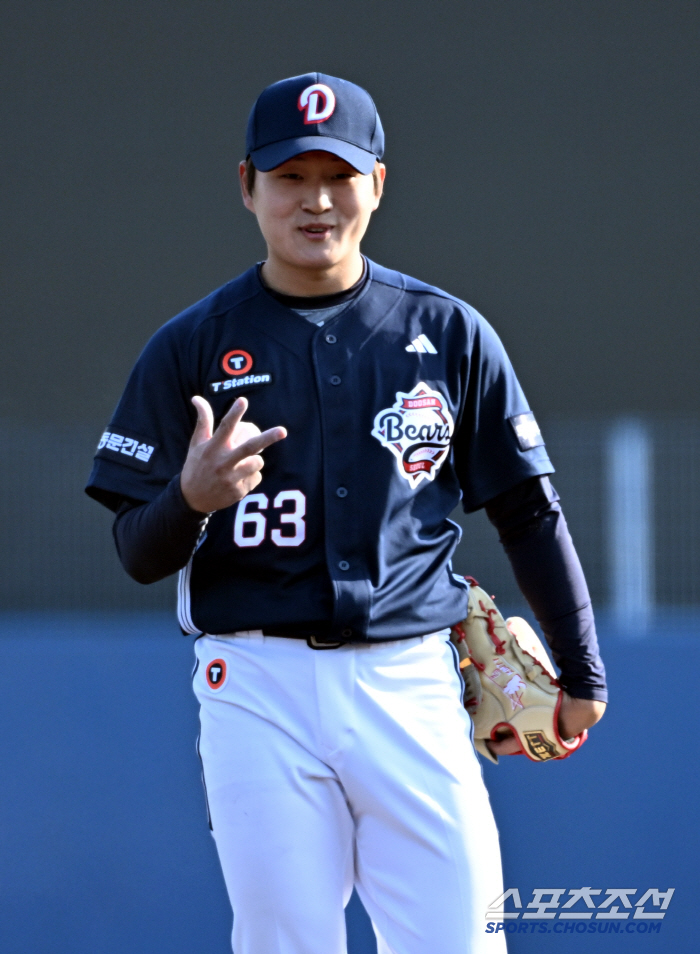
(293,445)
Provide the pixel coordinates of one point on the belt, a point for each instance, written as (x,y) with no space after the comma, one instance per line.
(313,643)
(312,640)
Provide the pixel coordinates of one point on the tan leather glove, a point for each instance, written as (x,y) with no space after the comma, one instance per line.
(510,682)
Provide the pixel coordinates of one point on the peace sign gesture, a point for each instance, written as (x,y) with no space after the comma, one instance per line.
(224,465)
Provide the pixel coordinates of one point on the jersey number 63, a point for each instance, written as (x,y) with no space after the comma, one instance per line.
(250,525)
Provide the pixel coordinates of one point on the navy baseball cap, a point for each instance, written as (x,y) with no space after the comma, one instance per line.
(314,111)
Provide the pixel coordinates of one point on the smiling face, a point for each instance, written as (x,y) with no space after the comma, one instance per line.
(313,211)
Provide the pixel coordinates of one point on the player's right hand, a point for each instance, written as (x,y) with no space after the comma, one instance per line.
(224,465)
(575,715)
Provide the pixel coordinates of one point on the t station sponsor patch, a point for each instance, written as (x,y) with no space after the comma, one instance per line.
(248,382)
(216,673)
(238,365)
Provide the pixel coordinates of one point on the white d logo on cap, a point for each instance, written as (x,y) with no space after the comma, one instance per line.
(318,101)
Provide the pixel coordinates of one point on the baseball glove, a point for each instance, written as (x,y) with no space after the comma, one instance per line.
(509,682)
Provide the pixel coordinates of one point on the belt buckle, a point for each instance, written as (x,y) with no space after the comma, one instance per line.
(313,643)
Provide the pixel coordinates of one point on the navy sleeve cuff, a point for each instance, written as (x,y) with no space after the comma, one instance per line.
(156,539)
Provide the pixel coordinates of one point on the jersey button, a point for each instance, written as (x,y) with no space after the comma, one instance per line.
(331,339)
(342,491)
(344,565)
(335,379)
(346,633)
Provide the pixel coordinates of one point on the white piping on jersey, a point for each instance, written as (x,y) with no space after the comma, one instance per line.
(183,587)
(183,601)
(459,578)
(423,345)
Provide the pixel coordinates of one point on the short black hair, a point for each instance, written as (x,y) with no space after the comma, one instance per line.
(250,171)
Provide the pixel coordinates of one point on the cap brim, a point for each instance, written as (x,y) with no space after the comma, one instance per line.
(269,157)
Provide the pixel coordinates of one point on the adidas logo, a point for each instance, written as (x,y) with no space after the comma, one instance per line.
(423,345)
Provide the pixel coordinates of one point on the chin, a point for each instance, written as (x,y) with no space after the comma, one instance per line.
(316,258)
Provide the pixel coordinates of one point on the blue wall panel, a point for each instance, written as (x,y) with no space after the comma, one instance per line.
(104,847)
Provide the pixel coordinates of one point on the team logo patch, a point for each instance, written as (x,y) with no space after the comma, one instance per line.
(417,430)
(526,430)
(216,673)
(237,362)
(317,103)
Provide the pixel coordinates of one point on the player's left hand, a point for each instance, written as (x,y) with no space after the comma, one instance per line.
(575,715)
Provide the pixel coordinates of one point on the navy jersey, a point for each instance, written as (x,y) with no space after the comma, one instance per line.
(396,408)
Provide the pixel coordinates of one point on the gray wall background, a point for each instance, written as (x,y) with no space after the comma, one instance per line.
(542,164)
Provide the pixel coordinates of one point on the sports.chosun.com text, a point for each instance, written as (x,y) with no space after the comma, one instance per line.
(572,927)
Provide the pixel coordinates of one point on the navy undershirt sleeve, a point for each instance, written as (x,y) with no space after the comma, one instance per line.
(158,538)
(534,535)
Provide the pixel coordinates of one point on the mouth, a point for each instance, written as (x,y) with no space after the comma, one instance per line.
(316,231)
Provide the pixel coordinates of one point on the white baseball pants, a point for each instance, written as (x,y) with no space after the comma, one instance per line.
(352,766)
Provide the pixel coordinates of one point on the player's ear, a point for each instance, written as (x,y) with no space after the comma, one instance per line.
(378,176)
(246,181)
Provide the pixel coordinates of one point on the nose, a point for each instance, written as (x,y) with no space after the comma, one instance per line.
(317,200)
